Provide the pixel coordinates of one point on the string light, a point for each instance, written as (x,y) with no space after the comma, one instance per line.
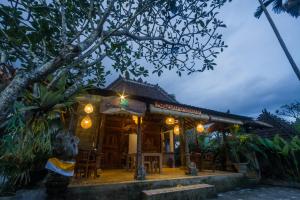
(86,122)
(200,128)
(170,120)
(88,108)
(176,130)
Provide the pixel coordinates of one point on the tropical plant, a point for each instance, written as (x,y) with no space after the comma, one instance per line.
(26,142)
(284,154)
(278,6)
(274,158)
(205,143)
(291,7)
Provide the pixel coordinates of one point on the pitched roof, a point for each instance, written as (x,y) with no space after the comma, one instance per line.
(149,93)
(140,88)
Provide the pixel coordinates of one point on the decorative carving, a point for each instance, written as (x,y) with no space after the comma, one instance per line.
(192,169)
(176,108)
(140,173)
(65,147)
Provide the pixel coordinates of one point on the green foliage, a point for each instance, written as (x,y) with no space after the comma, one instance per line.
(280,158)
(297,125)
(33,122)
(242,148)
(275,158)
(167,34)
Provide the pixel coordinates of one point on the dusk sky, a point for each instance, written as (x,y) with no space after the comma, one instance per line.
(252,73)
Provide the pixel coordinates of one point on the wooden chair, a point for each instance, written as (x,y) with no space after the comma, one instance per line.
(92,164)
(86,163)
(155,165)
(81,166)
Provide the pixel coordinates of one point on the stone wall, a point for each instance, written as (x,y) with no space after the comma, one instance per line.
(133,190)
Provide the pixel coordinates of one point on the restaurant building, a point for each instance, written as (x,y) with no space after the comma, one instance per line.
(136,126)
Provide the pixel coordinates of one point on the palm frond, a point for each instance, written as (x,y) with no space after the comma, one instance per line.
(278,6)
(259,10)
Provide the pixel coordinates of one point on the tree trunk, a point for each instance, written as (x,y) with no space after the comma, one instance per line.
(286,51)
(22,80)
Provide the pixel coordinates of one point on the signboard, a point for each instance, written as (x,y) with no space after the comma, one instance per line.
(176,108)
(117,105)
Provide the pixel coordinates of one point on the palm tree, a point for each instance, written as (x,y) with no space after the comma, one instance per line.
(291,7)
(278,6)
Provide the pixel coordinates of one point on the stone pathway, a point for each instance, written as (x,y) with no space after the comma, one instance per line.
(261,193)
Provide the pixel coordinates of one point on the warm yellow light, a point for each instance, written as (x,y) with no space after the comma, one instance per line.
(176,130)
(122,97)
(135,119)
(200,128)
(88,108)
(170,120)
(86,122)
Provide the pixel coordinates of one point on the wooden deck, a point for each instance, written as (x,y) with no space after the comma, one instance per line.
(121,176)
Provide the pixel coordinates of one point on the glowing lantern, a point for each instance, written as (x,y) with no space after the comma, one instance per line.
(200,128)
(135,119)
(170,121)
(176,130)
(88,108)
(86,122)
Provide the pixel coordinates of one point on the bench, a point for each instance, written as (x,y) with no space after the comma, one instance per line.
(188,192)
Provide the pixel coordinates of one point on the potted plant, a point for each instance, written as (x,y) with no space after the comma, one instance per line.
(239,153)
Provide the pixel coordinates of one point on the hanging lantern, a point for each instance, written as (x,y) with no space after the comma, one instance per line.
(200,128)
(176,130)
(170,120)
(135,119)
(86,122)
(88,108)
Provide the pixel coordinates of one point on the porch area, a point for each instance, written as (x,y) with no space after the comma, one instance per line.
(110,176)
(120,184)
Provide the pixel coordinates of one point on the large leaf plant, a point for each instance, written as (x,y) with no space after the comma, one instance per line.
(25,144)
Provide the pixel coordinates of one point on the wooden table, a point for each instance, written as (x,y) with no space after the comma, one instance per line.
(155,155)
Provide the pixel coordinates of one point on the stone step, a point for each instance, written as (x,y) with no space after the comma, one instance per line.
(188,192)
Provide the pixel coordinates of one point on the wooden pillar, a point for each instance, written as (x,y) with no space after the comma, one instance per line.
(100,137)
(140,173)
(186,144)
(101,132)
(182,150)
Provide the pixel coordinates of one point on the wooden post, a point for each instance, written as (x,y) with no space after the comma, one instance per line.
(182,150)
(140,173)
(186,144)
(99,140)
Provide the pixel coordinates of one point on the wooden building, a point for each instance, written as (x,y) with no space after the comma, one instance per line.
(136,125)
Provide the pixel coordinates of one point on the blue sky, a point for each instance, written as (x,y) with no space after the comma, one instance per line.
(253,73)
